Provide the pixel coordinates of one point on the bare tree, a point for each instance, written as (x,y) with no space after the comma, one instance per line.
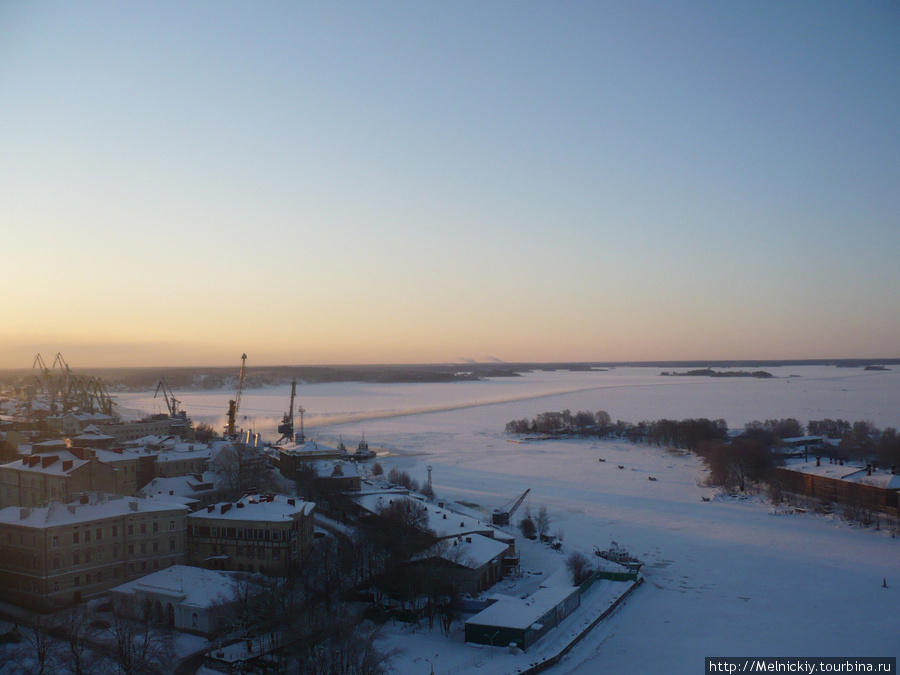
(529,529)
(78,636)
(37,653)
(734,465)
(339,644)
(579,567)
(542,522)
(139,647)
(243,469)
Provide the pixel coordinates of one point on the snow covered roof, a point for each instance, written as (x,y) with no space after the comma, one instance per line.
(802,440)
(325,467)
(183,485)
(99,508)
(838,471)
(192,586)
(447,523)
(853,473)
(313,449)
(264,508)
(880,479)
(57,463)
(473,550)
(518,613)
(94,436)
(443,522)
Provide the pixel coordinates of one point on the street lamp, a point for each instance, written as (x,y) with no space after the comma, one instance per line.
(430,663)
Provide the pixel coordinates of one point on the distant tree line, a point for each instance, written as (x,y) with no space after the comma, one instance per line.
(709,372)
(748,457)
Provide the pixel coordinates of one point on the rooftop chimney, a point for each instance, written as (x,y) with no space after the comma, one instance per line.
(292,502)
(226,508)
(133,505)
(240,505)
(24,513)
(67,464)
(47,461)
(210,508)
(83,499)
(868,469)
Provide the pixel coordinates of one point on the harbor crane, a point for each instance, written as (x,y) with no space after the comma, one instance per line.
(235,404)
(502,515)
(286,428)
(169,396)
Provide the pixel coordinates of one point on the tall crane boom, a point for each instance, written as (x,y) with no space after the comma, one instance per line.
(169,396)
(286,428)
(235,405)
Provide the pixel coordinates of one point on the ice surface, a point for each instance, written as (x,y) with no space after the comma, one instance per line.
(724,577)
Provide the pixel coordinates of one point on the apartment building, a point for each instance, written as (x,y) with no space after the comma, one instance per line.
(37,480)
(62,554)
(258,533)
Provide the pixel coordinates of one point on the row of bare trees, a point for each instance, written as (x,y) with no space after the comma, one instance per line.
(81,641)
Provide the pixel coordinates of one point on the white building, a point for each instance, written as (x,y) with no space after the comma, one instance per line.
(185,598)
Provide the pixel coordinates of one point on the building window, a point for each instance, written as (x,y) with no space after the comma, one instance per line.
(143,565)
(99,534)
(77,581)
(155,526)
(171,544)
(143,547)
(171,526)
(156,564)
(55,542)
(115,532)
(74,538)
(143,528)
(87,535)
(87,556)
(155,546)
(87,580)
(56,587)
(262,553)
(76,559)
(130,549)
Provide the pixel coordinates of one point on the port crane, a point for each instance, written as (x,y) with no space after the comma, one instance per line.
(502,515)
(235,404)
(169,396)
(286,428)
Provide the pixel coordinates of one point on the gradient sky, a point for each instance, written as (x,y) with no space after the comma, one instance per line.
(352,182)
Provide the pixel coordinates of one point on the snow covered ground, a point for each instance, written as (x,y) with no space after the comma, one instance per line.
(723,578)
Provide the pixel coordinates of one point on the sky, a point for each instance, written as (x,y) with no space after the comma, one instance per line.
(413,182)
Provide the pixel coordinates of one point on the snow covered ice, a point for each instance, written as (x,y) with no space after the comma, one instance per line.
(723,577)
